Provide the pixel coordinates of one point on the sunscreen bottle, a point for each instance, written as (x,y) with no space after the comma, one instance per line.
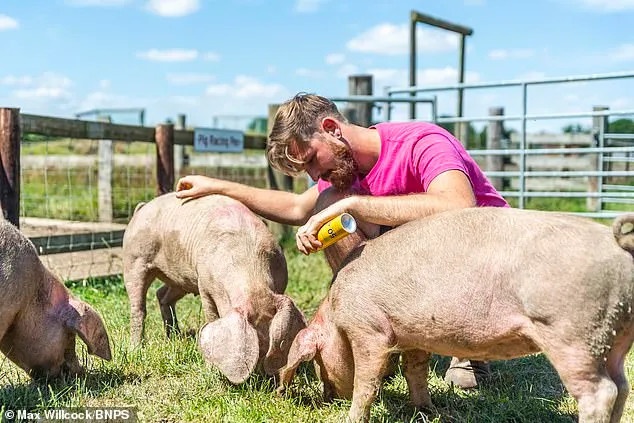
(337,228)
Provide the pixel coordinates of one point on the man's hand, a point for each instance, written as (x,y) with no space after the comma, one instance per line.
(194,186)
(306,237)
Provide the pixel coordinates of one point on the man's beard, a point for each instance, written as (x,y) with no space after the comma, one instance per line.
(346,169)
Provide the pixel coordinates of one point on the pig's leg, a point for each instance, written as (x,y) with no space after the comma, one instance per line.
(137,281)
(416,370)
(167,297)
(616,369)
(371,360)
(586,379)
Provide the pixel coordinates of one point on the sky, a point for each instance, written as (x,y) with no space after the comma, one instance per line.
(222,62)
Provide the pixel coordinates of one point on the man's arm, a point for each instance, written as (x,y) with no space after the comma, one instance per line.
(279,206)
(449,190)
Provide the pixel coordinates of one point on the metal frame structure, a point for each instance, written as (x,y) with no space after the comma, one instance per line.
(604,152)
(416,17)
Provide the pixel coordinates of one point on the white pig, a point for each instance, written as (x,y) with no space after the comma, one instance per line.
(39,318)
(216,247)
(483,284)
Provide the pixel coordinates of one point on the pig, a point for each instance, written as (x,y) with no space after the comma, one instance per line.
(215,247)
(39,317)
(482,284)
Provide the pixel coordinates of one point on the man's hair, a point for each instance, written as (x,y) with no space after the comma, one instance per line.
(297,120)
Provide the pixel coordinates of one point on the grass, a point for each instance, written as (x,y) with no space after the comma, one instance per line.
(167,380)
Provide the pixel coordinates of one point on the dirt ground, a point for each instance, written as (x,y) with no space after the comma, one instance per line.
(76,265)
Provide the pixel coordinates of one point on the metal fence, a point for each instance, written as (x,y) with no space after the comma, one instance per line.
(607,176)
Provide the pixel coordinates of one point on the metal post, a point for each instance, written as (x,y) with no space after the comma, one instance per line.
(494,142)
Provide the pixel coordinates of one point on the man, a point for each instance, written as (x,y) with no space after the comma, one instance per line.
(384,176)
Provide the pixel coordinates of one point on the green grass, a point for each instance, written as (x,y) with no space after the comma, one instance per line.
(167,380)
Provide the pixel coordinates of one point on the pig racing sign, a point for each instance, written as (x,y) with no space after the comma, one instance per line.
(218,140)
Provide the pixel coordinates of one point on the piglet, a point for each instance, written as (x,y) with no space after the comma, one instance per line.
(39,318)
(216,247)
(482,284)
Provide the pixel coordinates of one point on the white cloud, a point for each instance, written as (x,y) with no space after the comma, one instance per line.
(622,53)
(335,59)
(173,8)
(98,3)
(393,39)
(606,6)
(16,80)
(189,78)
(245,87)
(7,22)
(505,54)
(308,6)
(346,70)
(46,86)
(170,55)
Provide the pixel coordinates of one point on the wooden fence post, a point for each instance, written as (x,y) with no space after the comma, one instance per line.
(495,163)
(10,137)
(277,180)
(164,138)
(599,126)
(179,150)
(359,113)
(105,164)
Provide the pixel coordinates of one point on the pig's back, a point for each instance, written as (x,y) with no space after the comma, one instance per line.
(488,263)
(178,236)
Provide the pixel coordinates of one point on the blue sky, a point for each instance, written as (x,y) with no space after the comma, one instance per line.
(211,58)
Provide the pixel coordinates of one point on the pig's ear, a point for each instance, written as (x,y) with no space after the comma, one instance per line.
(231,344)
(285,325)
(304,348)
(86,323)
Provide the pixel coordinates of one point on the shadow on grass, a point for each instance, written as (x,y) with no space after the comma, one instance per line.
(523,390)
(42,394)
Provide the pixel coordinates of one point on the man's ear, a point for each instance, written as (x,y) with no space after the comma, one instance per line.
(331,126)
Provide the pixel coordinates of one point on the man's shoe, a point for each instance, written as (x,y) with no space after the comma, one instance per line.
(467,374)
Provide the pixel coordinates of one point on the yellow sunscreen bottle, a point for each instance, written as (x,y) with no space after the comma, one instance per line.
(339,227)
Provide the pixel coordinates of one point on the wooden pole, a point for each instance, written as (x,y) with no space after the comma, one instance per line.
(494,142)
(361,112)
(164,158)
(105,166)
(179,150)
(10,137)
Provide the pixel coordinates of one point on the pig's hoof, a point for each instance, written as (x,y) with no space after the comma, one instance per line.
(467,374)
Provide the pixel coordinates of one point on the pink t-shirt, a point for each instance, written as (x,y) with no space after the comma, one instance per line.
(412,155)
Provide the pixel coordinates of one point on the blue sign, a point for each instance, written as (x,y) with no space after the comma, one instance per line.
(218,140)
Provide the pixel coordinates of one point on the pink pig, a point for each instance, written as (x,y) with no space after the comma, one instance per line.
(483,284)
(216,247)
(39,318)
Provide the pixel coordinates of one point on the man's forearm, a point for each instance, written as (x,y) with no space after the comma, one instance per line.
(396,210)
(278,206)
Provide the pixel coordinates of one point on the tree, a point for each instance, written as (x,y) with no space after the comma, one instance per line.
(575,129)
(622,126)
